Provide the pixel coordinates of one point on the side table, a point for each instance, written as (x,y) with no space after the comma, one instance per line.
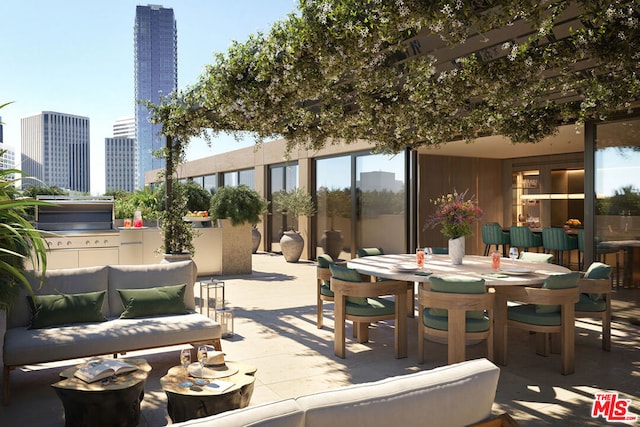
(186,403)
(116,403)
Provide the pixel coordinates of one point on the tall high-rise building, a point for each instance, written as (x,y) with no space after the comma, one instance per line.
(55,149)
(7,154)
(120,164)
(156,75)
(125,127)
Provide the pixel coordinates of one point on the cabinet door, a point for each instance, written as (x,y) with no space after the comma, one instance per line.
(95,257)
(66,258)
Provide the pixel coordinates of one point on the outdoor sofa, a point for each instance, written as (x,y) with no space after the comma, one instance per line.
(454,395)
(79,314)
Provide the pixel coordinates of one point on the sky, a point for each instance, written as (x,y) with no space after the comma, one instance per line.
(76,57)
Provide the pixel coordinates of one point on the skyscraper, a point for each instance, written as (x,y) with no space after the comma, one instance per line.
(156,74)
(55,149)
(120,163)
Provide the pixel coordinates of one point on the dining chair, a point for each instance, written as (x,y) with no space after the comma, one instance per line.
(457,308)
(493,234)
(440,251)
(550,310)
(535,257)
(556,239)
(360,301)
(595,298)
(323,277)
(601,254)
(411,291)
(523,237)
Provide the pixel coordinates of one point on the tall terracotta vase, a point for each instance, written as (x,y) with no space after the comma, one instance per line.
(292,245)
(456,250)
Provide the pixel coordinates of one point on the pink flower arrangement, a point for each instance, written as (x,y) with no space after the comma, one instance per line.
(455,214)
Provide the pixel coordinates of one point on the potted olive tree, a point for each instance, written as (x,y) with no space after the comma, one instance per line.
(293,204)
(334,203)
(240,205)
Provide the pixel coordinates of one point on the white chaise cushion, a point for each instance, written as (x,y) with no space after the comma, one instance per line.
(453,395)
(284,413)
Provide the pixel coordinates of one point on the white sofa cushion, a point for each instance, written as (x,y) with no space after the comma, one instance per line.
(453,395)
(283,413)
(23,346)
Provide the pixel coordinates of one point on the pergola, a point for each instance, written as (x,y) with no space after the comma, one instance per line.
(409,73)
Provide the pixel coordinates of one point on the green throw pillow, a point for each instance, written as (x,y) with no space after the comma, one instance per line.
(65,309)
(153,301)
(348,275)
(557,281)
(457,285)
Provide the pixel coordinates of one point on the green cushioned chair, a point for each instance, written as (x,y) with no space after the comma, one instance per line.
(324,292)
(493,234)
(601,254)
(550,310)
(535,257)
(595,298)
(557,240)
(360,301)
(457,308)
(523,237)
(411,294)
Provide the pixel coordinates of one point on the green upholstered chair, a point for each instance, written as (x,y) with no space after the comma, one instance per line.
(457,308)
(535,257)
(523,237)
(601,254)
(550,310)
(440,251)
(323,275)
(557,240)
(361,302)
(493,234)
(363,252)
(595,298)
(411,293)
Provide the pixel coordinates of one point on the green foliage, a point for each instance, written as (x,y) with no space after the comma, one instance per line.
(625,201)
(334,203)
(351,69)
(178,233)
(19,240)
(198,198)
(294,203)
(125,204)
(239,204)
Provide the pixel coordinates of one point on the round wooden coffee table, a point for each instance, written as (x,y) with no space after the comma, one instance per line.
(197,401)
(116,403)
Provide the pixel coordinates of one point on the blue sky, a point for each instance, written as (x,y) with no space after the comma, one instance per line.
(76,57)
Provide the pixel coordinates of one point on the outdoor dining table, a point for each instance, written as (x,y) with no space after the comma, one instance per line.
(508,282)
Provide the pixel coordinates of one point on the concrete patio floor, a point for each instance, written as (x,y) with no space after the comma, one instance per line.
(275,330)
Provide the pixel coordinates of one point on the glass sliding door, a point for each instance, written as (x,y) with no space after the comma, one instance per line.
(333,218)
(381,202)
(281,177)
(617,188)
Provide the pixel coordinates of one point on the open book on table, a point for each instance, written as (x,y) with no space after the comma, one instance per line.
(98,369)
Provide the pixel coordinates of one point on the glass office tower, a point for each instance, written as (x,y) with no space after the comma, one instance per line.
(156,75)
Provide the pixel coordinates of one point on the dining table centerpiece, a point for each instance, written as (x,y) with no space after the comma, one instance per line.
(456,215)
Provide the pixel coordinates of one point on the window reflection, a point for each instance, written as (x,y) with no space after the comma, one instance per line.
(333,217)
(617,220)
(381,202)
(281,177)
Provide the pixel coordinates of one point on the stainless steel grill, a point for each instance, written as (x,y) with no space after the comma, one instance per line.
(78,223)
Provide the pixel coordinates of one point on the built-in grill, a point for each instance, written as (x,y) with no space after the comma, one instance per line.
(78,223)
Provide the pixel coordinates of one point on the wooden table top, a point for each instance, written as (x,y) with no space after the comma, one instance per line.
(123,381)
(176,375)
(386,266)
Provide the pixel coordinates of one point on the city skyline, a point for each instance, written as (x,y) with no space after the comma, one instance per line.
(76,58)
